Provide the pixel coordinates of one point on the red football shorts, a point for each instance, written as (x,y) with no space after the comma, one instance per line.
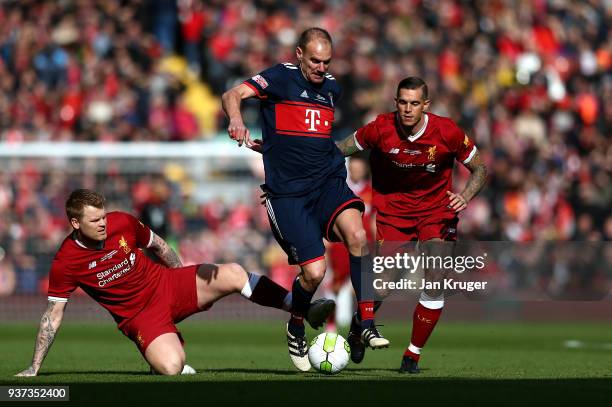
(419,228)
(174,300)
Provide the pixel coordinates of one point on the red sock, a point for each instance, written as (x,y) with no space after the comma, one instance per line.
(366,310)
(296,319)
(423,322)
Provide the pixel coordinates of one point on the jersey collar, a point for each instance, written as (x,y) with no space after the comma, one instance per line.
(82,245)
(418,134)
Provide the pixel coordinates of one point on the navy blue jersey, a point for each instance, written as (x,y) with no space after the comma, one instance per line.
(298,151)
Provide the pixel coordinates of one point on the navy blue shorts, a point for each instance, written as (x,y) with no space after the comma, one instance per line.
(300,223)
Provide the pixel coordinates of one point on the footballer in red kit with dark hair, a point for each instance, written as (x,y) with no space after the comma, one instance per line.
(412,156)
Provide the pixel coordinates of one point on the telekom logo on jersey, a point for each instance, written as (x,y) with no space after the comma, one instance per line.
(312,119)
(303,119)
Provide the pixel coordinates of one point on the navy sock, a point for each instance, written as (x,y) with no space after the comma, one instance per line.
(301,302)
(296,325)
(355,270)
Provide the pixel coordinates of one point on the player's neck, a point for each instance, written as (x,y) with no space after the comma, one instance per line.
(302,72)
(86,242)
(409,131)
(305,76)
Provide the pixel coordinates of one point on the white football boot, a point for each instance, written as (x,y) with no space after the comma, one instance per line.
(298,351)
(372,338)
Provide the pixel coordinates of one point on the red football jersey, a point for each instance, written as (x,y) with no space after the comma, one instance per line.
(410,175)
(118,275)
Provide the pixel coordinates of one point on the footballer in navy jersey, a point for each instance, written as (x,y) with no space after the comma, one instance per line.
(298,150)
(308,198)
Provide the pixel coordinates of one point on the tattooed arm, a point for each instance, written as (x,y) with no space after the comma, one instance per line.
(49,325)
(165,252)
(477,179)
(348,146)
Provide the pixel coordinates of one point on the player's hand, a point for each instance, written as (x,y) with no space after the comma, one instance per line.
(457,201)
(29,372)
(256,145)
(238,131)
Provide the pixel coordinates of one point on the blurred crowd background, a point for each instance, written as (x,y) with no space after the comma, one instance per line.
(530,81)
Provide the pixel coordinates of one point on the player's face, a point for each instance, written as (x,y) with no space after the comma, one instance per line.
(315,59)
(410,106)
(93,223)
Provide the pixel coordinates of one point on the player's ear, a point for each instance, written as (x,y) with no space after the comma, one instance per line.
(299,53)
(75,223)
(426,104)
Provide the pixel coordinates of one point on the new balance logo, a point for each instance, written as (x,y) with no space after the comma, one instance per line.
(304,95)
(423,319)
(92,265)
(394,151)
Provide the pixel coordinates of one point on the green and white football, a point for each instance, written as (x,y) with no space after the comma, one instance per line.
(329,353)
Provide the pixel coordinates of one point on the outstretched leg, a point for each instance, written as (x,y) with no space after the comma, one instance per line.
(214,282)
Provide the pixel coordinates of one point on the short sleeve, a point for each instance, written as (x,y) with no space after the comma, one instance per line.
(461,145)
(367,136)
(61,283)
(144,235)
(270,82)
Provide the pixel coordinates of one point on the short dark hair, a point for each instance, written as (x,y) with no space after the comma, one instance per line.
(311,34)
(79,199)
(413,82)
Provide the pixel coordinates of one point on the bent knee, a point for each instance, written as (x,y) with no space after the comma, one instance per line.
(170,366)
(236,274)
(314,275)
(356,240)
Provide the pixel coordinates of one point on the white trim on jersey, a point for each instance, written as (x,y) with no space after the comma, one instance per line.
(331,78)
(57,299)
(273,218)
(420,132)
(78,242)
(357,142)
(289,65)
(467,160)
(150,238)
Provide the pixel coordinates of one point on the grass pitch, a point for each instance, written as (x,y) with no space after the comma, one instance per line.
(247,363)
